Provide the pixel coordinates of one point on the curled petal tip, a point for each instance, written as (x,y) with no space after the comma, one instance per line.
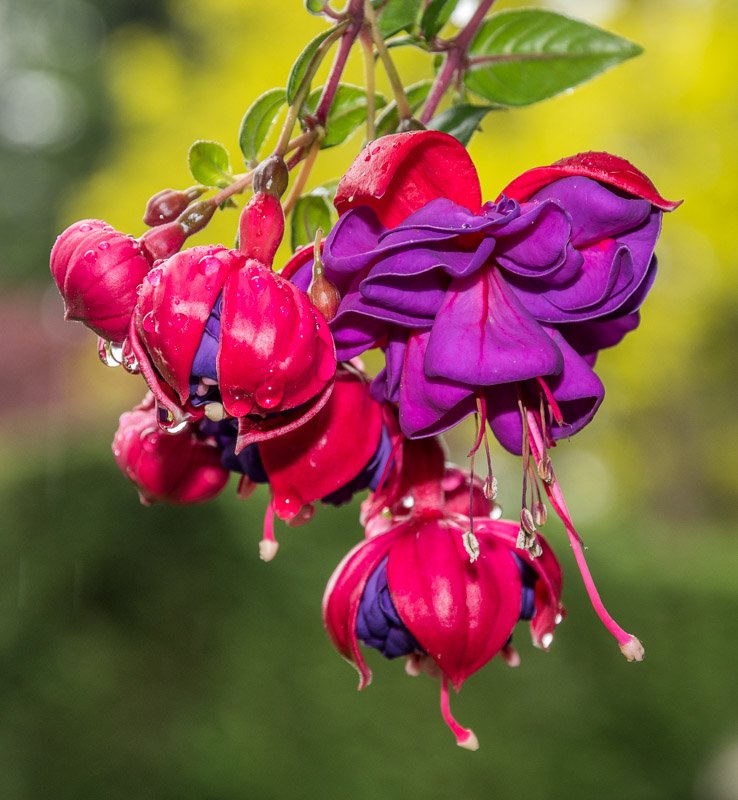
(468,740)
(268,549)
(633,650)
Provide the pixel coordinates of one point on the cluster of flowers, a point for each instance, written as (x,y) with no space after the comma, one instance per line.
(493,309)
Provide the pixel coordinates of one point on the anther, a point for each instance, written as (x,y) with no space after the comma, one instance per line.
(471,545)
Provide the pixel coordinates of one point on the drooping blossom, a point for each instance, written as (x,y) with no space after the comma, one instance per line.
(217,332)
(179,469)
(97,271)
(342,450)
(415,590)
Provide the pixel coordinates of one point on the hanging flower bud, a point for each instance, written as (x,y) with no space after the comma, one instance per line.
(180,469)
(168,204)
(166,240)
(97,270)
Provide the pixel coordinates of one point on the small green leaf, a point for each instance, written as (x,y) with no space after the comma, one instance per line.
(302,64)
(461,121)
(537,54)
(389,119)
(209,163)
(314,6)
(397,15)
(435,16)
(346,114)
(311,211)
(257,121)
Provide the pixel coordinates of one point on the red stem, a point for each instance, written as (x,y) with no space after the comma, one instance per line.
(455,59)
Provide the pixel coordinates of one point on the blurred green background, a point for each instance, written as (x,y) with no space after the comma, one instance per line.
(148,653)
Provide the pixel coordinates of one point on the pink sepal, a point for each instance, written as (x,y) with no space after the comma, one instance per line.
(549,610)
(343,596)
(174,304)
(398,174)
(261,228)
(461,613)
(600,166)
(179,469)
(276,351)
(324,453)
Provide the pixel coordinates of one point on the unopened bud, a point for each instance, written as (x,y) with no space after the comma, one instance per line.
(166,240)
(271,177)
(322,292)
(168,204)
(196,216)
(411,124)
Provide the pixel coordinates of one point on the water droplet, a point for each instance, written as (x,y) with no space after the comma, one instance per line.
(103,246)
(108,228)
(257,283)
(105,351)
(558,619)
(148,322)
(368,157)
(154,277)
(149,443)
(269,396)
(90,255)
(208,265)
(546,640)
(167,421)
(116,351)
(85,228)
(179,320)
(129,360)
(284,311)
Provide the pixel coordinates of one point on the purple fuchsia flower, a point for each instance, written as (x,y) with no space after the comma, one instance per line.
(415,590)
(324,459)
(182,469)
(217,333)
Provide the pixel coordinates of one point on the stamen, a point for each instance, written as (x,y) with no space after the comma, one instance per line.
(558,416)
(471,545)
(268,546)
(630,646)
(215,411)
(465,737)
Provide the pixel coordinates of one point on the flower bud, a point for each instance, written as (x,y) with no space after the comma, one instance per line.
(271,177)
(180,469)
(261,228)
(168,204)
(97,270)
(166,240)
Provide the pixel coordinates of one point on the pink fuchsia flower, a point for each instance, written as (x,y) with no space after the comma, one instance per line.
(216,332)
(414,590)
(324,459)
(179,469)
(97,270)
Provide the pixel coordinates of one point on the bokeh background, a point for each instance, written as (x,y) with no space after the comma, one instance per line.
(148,653)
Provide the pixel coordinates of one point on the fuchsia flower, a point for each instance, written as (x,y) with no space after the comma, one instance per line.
(179,469)
(216,332)
(415,590)
(478,301)
(97,270)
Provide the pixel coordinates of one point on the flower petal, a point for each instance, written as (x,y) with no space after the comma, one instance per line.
(399,174)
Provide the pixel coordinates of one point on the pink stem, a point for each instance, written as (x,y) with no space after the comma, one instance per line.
(557,501)
(464,736)
(454,61)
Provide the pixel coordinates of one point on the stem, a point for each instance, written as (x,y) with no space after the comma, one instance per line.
(355,12)
(301,140)
(454,61)
(398,90)
(302,92)
(302,178)
(236,187)
(368,52)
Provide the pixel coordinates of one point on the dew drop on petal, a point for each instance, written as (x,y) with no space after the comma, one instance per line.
(208,265)
(269,396)
(90,255)
(116,352)
(103,246)
(154,277)
(148,322)
(105,351)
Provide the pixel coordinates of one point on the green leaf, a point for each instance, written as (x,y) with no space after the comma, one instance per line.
(435,16)
(257,121)
(311,211)
(538,54)
(389,119)
(398,15)
(461,121)
(314,6)
(302,64)
(209,163)
(346,114)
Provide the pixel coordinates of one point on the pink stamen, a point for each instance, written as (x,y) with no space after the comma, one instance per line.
(629,644)
(558,416)
(268,546)
(481,424)
(465,737)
